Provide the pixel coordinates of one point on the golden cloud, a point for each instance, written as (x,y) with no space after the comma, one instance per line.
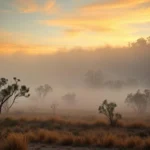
(100,27)
(31,6)
(81,23)
(72,32)
(86,26)
(106,21)
(26,6)
(22,43)
(114,4)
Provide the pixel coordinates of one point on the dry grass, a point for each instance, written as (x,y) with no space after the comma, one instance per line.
(19,131)
(15,142)
(19,141)
(138,125)
(14,121)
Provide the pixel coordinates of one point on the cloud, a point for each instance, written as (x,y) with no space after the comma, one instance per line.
(105,19)
(32,49)
(15,37)
(87,28)
(27,6)
(82,23)
(12,42)
(114,4)
(49,7)
(31,6)
(72,32)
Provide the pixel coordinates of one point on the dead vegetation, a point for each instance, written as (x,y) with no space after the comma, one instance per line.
(15,142)
(18,133)
(18,141)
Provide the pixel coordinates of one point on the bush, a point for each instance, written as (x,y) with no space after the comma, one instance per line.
(108,110)
(15,142)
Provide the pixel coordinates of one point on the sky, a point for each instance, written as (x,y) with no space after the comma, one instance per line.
(49,26)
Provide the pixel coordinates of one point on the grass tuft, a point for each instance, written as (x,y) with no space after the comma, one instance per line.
(15,142)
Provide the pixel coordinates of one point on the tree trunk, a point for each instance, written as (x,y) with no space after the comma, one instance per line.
(0,109)
(112,121)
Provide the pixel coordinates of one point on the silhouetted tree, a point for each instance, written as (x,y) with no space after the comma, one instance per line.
(70,98)
(43,90)
(114,84)
(5,107)
(139,100)
(148,40)
(10,92)
(108,110)
(94,79)
(141,42)
(54,108)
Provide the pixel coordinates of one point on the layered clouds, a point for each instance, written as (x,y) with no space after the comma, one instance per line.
(32,6)
(50,25)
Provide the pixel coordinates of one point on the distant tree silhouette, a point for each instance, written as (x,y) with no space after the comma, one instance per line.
(54,106)
(94,79)
(141,42)
(10,92)
(148,40)
(43,90)
(138,101)
(114,84)
(70,98)
(108,110)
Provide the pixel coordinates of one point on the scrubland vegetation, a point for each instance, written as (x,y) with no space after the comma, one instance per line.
(21,131)
(44,121)
(109,130)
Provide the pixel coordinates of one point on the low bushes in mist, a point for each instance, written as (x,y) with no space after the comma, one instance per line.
(95,79)
(139,101)
(42,91)
(108,110)
(69,98)
(26,124)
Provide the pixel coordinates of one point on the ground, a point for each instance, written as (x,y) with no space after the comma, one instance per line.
(84,132)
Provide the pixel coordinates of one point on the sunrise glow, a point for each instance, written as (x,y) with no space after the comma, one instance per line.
(48,26)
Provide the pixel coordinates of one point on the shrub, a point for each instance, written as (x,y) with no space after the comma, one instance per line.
(15,142)
(108,110)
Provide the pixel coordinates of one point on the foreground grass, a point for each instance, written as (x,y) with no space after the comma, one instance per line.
(17,141)
(18,133)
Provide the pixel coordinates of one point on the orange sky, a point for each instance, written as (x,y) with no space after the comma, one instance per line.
(47,26)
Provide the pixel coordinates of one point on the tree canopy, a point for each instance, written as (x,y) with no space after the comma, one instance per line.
(139,100)
(10,92)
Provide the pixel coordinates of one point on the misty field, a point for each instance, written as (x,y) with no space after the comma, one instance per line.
(72,120)
(43,132)
(100,101)
(74,74)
